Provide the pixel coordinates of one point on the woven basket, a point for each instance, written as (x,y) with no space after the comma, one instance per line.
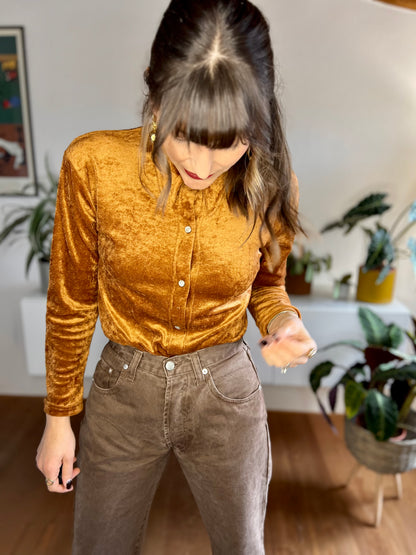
(384,457)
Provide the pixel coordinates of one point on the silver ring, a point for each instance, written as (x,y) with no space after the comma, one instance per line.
(312,352)
(284,369)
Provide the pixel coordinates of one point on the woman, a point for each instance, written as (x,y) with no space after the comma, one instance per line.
(169,233)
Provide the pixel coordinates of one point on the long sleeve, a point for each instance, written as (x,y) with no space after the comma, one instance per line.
(72,294)
(268,296)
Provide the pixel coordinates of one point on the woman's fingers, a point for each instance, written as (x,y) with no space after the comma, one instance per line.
(288,351)
(54,486)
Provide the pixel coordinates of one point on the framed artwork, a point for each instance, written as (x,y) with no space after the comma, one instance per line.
(17,166)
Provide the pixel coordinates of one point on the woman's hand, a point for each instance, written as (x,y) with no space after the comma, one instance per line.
(56,448)
(288,343)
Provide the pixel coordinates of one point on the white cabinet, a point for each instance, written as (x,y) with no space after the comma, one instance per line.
(33,310)
(327,321)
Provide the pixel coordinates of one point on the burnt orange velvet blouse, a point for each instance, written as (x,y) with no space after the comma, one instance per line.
(167,283)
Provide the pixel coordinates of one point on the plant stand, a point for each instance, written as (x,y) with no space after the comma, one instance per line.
(379,494)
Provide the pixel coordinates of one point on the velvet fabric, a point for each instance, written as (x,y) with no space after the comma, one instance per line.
(166,283)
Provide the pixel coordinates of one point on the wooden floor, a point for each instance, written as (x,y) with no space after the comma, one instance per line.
(309,512)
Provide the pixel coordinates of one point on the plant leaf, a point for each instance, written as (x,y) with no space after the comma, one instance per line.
(12,226)
(29,259)
(375,330)
(371,205)
(393,370)
(326,415)
(356,370)
(375,356)
(412,212)
(399,391)
(354,398)
(318,373)
(332,397)
(381,415)
(383,274)
(396,336)
(411,244)
(380,250)
(309,273)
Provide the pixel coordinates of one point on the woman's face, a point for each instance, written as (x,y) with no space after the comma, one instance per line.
(199,166)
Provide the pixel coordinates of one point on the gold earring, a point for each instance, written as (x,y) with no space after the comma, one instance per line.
(154,129)
(249,153)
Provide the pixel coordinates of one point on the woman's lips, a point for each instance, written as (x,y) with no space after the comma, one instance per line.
(194,176)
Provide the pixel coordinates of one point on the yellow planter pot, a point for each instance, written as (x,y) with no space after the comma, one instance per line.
(369,292)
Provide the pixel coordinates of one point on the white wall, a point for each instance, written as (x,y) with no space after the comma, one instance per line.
(348,70)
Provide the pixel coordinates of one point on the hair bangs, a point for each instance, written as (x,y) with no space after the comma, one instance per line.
(212,111)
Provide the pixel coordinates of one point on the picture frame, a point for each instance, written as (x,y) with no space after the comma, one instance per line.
(17,162)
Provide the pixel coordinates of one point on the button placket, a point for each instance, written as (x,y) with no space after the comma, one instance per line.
(183,266)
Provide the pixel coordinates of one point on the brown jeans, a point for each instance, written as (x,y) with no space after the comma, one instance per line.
(208,408)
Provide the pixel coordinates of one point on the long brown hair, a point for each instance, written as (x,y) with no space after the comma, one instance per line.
(211,79)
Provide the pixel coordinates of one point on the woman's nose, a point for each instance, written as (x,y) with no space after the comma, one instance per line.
(202,158)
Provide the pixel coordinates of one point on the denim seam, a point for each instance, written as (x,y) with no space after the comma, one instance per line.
(166,408)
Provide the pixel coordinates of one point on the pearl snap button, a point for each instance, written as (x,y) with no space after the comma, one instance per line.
(170,365)
(110,370)
(181,283)
(188,229)
(204,371)
(125,366)
(177,327)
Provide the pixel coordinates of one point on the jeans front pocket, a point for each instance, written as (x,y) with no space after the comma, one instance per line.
(234,380)
(107,375)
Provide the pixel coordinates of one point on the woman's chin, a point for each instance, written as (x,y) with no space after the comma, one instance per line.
(198,184)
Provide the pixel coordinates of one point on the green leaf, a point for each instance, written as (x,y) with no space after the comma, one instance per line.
(357,370)
(354,398)
(309,273)
(380,250)
(383,274)
(11,227)
(396,336)
(29,260)
(332,396)
(393,370)
(412,212)
(318,373)
(411,245)
(403,356)
(381,415)
(375,330)
(371,205)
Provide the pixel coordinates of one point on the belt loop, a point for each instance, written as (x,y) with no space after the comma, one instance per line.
(134,364)
(197,367)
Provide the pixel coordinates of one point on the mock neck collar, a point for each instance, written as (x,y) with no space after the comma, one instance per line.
(154,181)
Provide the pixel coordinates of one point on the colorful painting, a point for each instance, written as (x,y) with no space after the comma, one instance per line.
(17,169)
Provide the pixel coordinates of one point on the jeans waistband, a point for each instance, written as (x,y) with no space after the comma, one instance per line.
(131,358)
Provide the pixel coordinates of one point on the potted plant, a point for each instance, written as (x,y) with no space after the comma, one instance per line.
(36,223)
(378,393)
(377,274)
(302,264)
(342,286)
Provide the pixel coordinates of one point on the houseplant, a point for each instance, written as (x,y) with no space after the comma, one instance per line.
(377,274)
(342,286)
(302,265)
(36,224)
(378,393)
